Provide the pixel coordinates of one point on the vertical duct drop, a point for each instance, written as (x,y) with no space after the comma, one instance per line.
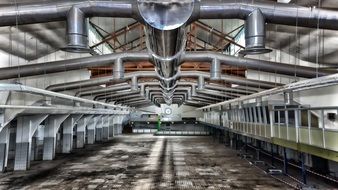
(77,32)
(255,34)
(200,83)
(215,70)
(118,70)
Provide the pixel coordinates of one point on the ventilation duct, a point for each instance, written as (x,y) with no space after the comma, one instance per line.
(77,32)
(215,70)
(118,69)
(134,83)
(166,37)
(200,83)
(255,34)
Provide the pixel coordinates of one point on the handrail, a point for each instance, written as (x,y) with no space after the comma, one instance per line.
(32,90)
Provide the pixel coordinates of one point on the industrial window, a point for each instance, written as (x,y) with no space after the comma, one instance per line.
(263,118)
(254,114)
(282,117)
(246,115)
(267,114)
(258,113)
(250,114)
(276,117)
(291,117)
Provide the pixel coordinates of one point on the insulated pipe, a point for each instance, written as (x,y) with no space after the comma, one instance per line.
(70,64)
(215,93)
(292,87)
(123,97)
(229,89)
(166,36)
(39,12)
(188,90)
(103,80)
(131,100)
(254,64)
(277,13)
(106,90)
(166,47)
(108,60)
(121,94)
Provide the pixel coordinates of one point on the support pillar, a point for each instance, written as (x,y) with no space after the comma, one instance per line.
(81,131)
(91,136)
(285,161)
(258,151)
(226,138)
(53,124)
(118,125)
(68,125)
(26,126)
(37,143)
(98,128)
(111,126)
(4,144)
(272,155)
(105,128)
(303,169)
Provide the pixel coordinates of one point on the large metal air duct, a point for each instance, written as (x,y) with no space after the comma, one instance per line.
(166,35)
(116,58)
(167,19)
(255,34)
(215,70)
(77,32)
(142,74)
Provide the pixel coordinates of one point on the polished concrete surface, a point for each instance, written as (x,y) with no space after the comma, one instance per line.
(144,162)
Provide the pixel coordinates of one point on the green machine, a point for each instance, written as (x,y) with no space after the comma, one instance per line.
(158,122)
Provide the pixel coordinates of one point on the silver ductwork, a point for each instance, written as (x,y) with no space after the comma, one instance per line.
(141,74)
(255,34)
(77,32)
(277,13)
(165,31)
(200,82)
(215,70)
(75,64)
(134,83)
(116,60)
(118,69)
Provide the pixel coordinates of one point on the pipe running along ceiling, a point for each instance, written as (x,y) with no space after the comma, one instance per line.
(165,31)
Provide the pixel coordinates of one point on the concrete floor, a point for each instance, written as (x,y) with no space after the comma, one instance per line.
(144,162)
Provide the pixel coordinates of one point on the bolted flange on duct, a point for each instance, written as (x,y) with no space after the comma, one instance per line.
(77,32)
(255,34)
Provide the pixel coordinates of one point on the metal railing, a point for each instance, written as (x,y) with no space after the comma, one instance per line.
(317,126)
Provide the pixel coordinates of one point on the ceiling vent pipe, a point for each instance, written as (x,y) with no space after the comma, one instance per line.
(200,83)
(255,34)
(215,70)
(134,83)
(166,37)
(118,69)
(77,32)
